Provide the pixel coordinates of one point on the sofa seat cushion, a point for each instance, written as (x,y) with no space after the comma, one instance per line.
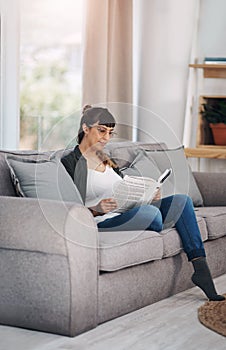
(215,218)
(172,244)
(121,249)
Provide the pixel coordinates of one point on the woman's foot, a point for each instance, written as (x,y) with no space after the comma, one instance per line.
(203,279)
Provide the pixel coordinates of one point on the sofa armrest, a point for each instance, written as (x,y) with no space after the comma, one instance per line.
(49,267)
(212,187)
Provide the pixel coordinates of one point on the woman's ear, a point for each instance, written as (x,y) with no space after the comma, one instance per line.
(85,128)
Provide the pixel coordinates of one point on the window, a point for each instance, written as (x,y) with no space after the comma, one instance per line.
(50,72)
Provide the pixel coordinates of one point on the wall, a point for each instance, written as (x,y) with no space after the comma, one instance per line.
(212,41)
(212,28)
(163,43)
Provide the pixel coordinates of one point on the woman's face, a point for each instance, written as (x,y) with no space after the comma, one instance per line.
(97,135)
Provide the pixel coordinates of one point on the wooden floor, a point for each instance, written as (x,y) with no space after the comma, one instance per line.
(169,324)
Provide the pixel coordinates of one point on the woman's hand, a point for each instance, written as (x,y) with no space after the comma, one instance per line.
(157,196)
(104,206)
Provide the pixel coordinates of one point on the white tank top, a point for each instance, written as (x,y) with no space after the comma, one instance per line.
(100,186)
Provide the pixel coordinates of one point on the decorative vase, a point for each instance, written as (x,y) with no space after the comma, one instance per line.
(219,133)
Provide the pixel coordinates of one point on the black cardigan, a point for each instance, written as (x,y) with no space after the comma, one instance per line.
(76,166)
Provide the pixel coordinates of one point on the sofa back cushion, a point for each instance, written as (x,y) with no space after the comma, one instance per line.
(6,185)
(152,163)
(46,179)
(124,152)
(212,187)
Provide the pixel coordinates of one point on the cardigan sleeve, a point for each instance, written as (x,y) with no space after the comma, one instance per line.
(69,165)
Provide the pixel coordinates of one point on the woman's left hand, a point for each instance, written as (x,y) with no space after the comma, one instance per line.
(157,196)
(104,206)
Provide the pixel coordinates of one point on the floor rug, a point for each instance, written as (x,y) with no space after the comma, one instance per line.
(213,315)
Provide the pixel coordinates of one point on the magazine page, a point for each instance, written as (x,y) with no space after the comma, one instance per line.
(134,191)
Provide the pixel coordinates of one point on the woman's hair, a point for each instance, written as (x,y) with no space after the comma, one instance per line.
(92,115)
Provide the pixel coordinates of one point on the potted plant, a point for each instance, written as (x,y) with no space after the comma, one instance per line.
(214,112)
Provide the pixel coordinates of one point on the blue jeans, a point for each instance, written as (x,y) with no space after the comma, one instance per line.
(171,211)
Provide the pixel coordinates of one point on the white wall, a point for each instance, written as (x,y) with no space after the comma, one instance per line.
(212,28)
(212,41)
(163,44)
(9,117)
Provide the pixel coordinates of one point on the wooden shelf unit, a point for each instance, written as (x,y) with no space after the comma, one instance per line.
(211,70)
(204,137)
(205,147)
(208,152)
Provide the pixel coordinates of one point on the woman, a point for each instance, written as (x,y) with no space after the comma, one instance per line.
(94,174)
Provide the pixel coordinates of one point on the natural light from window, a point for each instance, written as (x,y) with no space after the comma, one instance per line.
(50,69)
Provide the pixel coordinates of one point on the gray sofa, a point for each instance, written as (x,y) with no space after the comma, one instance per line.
(59,274)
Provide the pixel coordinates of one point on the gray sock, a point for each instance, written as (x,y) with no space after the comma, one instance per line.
(203,279)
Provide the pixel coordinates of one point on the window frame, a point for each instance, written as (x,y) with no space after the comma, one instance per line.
(9,87)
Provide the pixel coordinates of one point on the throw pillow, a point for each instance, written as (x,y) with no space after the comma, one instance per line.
(153,163)
(47,179)
(124,152)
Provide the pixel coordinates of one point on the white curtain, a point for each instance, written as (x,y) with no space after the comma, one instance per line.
(107,60)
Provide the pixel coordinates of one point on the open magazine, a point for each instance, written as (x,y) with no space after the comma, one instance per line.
(134,191)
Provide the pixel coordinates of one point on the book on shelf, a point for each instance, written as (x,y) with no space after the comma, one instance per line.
(133,191)
(215,60)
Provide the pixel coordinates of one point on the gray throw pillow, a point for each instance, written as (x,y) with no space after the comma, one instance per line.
(47,179)
(153,163)
(124,152)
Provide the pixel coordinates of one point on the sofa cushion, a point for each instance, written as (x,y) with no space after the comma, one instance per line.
(212,187)
(47,179)
(123,153)
(141,166)
(172,244)
(215,218)
(6,185)
(128,248)
(153,163)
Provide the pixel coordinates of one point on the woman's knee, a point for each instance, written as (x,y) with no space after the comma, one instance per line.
(182,199)
(151,215)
